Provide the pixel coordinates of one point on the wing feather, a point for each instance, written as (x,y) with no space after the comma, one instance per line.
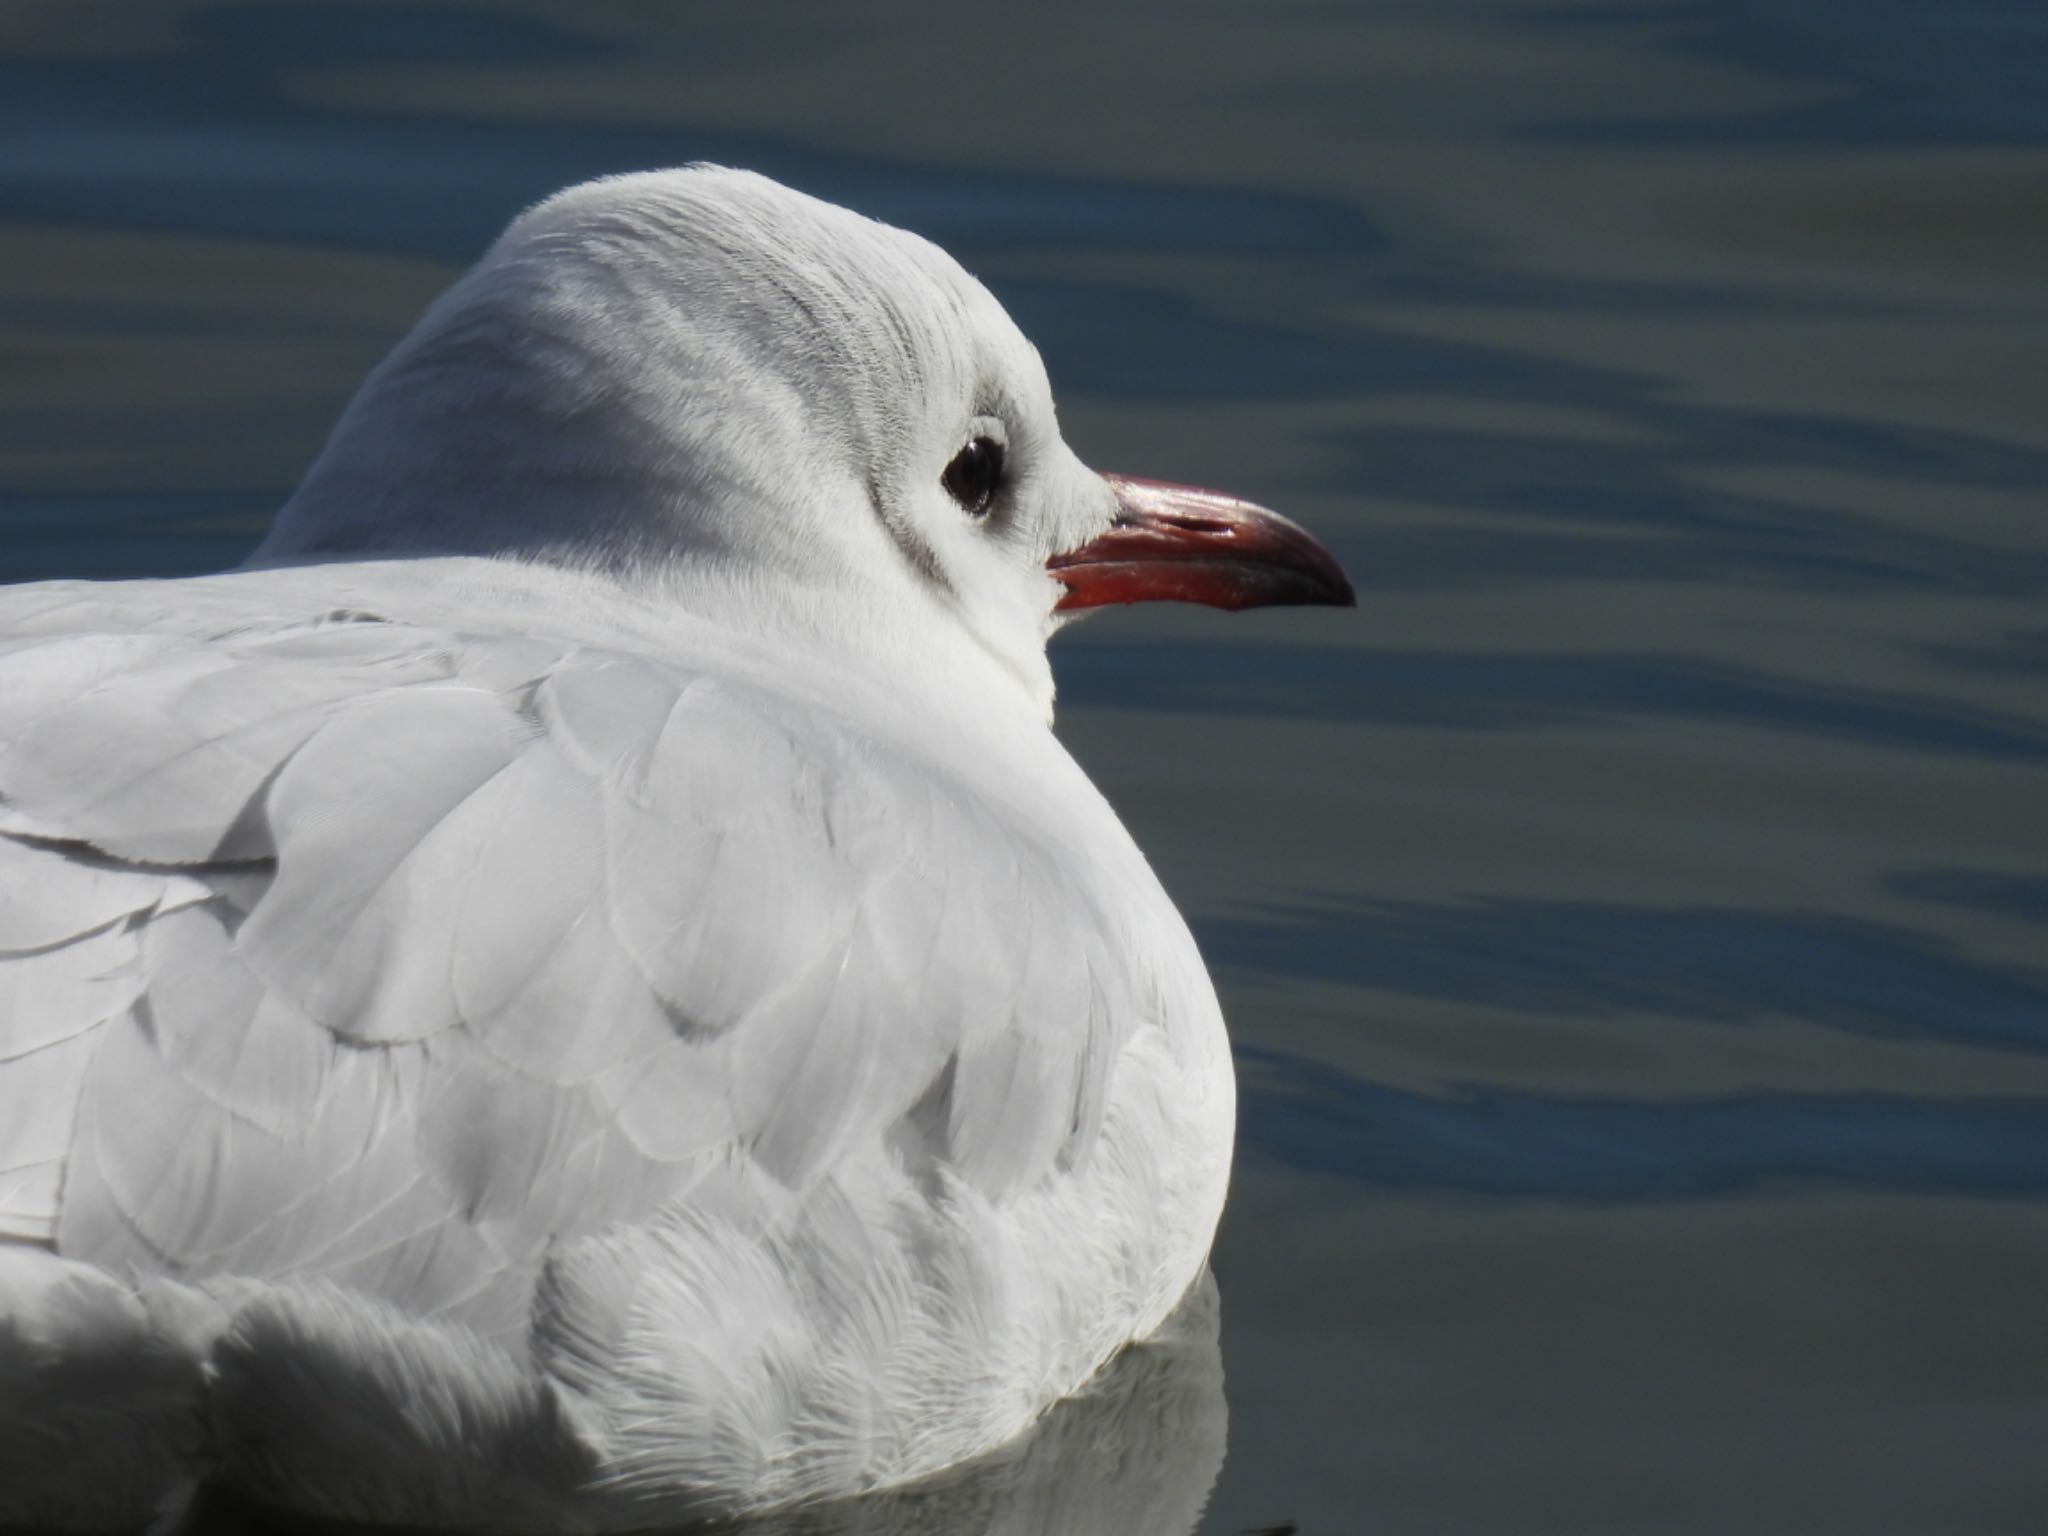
(150,750)
(486,943)
(379,822)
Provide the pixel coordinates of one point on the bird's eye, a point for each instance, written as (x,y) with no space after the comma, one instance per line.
(975,473)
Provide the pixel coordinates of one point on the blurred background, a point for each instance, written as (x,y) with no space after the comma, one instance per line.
(1634,919)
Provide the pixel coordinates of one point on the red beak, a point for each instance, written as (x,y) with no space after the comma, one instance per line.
(1174,543)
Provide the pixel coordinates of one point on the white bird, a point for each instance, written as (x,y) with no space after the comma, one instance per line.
(578,989)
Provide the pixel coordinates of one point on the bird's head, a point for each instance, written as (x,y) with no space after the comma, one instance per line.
(703,379)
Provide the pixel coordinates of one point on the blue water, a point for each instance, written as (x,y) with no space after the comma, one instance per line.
(1634,920)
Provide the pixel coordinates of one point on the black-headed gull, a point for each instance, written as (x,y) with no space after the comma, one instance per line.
(578,989)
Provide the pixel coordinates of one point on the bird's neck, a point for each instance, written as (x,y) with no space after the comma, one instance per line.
(471,445)
(509,427)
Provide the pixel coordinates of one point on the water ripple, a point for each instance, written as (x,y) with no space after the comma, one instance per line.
(1705,963)
(1504,690)
(1488,1142)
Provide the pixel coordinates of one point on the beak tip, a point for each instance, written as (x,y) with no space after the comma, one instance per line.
(1327,585)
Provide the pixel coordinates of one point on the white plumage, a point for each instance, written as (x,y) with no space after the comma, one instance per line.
(580,990)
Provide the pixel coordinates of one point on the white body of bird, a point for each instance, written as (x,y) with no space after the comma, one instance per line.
(579,990)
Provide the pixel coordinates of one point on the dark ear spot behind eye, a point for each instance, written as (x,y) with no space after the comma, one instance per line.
(974,476)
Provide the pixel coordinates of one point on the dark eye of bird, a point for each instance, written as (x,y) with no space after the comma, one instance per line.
(971,479)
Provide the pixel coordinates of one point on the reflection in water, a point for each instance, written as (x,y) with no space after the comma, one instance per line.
(1134,1455)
